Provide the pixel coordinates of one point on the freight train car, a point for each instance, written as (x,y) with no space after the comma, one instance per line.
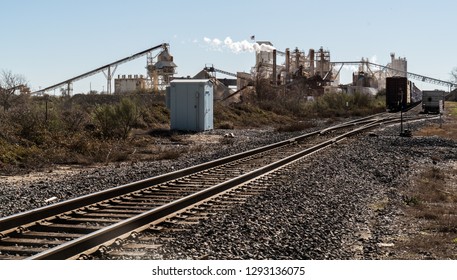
(397,94)
(401,94)
(431,101)
(416,94)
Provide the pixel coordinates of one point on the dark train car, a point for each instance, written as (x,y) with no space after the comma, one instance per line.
(398,93)
(416,94)
(431,101)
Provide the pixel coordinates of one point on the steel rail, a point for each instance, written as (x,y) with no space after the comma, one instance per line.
(24,218)
(11,223)
(368,121)
(99,237)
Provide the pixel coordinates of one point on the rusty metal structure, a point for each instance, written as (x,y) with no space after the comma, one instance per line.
(161,69)
(314,69)
(317,70)
(389,71)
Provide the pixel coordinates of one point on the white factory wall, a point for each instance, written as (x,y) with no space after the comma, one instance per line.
(128,84)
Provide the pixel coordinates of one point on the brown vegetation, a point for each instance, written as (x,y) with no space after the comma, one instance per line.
(431,202)
(448,129)
(38,131)
(431,207)
(273,106)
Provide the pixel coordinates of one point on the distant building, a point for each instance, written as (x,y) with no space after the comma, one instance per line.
(129,84)
(399,66)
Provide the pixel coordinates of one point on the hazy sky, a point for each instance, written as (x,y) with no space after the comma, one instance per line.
(49,41)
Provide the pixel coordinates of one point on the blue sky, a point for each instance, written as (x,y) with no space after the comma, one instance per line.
(49,41)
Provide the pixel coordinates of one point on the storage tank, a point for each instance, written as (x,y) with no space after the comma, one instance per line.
(191,104)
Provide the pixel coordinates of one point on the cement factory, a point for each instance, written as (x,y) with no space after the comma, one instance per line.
(311,74)
(287,68)
(315,69)
(320,73)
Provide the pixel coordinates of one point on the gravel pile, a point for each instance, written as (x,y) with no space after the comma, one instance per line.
(335,205)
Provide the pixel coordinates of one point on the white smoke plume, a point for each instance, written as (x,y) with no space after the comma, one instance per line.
(352,68)
(355,68)
(374,59)
(236,47)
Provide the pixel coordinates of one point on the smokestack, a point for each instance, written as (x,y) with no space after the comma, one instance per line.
(274,67)
(311,62)
(322,61)
(287,61)
(297,58)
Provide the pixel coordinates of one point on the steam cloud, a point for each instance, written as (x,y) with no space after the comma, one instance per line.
(354,68)
(236,47)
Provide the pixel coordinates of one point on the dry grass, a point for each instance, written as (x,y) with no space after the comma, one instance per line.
(431,203)
(169,154)
(295,126)
(448,129)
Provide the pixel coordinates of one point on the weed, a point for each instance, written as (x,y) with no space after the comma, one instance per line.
(226,125)
(227,141)
(176,138)
(432,203)
(296,126)
(169,154)
(410,200)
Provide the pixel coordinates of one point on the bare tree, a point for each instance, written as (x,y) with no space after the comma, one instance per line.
(454,75)
(10,85)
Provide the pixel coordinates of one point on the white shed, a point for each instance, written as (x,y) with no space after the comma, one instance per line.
(191,104)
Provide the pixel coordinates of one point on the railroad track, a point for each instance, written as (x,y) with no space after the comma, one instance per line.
(89,224)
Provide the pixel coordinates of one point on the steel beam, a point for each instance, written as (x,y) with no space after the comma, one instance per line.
(102,68)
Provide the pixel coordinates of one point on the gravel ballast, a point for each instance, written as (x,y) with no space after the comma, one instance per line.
(339,204)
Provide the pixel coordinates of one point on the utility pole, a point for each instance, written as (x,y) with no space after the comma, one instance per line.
(400,93)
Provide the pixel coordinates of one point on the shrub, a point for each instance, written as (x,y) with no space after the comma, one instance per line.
(169,154)
(226,125)
(116,121)
(296,126)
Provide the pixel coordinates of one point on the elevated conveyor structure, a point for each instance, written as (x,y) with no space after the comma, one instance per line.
(212,69)
(109,68)
(410,75)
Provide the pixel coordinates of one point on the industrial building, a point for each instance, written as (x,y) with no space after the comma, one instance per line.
(129,84)
(160,70)
(295,65)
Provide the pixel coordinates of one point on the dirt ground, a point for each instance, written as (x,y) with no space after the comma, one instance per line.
(428,227)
